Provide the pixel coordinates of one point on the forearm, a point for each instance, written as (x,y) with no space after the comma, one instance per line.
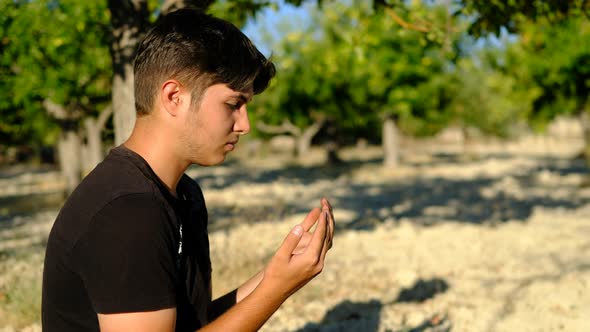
(249,286)
(288,270)
(250,313)
(225,302)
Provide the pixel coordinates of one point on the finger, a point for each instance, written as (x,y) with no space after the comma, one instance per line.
(327,245)
(290,242)
(319,237)
(325,202)
(330,221)
(311,219)
(331,229)
(326,205)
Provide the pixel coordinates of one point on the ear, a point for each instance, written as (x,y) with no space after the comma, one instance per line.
(171,96)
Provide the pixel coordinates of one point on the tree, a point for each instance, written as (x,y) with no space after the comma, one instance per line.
(405,63)
(57,77)
(492,16)
(359,68)
(543,75)
(486,98)
(56,73)
(555,60)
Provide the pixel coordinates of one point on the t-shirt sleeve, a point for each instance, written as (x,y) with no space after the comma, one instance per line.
(127,259)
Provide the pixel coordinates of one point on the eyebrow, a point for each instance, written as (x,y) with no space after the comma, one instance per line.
(245,98)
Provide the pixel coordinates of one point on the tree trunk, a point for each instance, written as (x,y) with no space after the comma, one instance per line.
(585,120)
(69,144)
(129,20)
(469,148)
(92,151)
(304,140)
(303,145)
(390,143)
(302,137)
(331,144)
(69,151)
(124,105)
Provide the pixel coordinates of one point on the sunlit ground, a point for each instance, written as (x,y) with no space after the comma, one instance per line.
(490,236)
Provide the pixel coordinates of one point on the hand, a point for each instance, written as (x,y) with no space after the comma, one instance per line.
(291,269)
(309,221)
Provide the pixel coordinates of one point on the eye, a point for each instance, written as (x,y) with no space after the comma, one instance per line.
(233,107)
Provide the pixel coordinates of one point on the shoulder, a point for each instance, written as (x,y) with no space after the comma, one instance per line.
(132,208)
(131,223)
(118,189)
(117,176)
(120,173)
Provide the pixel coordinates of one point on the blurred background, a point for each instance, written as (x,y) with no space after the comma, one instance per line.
(452,136)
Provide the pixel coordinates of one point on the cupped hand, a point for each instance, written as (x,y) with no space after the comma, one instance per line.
(301,256)
(311,220)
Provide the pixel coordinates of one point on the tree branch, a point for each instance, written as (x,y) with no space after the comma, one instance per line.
(171,5)
(315,127)
(286,127)
(403,23)
(57,111)
(104,115)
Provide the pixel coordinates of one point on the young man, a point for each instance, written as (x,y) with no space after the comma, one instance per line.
(129,250)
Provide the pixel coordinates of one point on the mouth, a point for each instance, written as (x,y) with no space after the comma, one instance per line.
(231,145)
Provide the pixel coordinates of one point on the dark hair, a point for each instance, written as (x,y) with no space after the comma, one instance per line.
(198,50)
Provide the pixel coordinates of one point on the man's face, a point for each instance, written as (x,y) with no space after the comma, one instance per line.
(213,130)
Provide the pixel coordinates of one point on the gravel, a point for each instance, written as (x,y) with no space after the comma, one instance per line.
(499,241)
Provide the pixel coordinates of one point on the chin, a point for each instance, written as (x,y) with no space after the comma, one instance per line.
(211,161)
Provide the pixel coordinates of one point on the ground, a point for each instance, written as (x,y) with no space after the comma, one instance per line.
(492,238)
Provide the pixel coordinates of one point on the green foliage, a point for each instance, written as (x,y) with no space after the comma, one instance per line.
(489,16)
(56,50)
(555,60)
(356,65)
(487,99)
(358,62)
(238,11)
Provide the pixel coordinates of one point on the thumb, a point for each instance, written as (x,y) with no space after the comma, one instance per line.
(290,242)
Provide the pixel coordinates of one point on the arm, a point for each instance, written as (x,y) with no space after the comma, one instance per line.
(290,269)
(226,301)
(152,321)
(286,273)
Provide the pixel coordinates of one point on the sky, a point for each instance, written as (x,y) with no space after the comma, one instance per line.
(270,25)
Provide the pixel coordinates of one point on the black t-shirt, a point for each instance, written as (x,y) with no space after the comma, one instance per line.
(123,243)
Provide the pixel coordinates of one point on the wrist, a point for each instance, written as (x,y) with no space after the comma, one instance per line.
(274,291)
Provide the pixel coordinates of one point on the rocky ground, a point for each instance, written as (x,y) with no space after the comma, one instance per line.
(495,238)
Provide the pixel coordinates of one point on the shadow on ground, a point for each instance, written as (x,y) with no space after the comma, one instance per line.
(365,316)
(26,205)
(422,290)
(425,201)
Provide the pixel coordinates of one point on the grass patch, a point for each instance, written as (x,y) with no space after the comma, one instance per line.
(20,288)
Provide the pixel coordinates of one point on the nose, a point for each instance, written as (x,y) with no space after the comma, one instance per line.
(242,123)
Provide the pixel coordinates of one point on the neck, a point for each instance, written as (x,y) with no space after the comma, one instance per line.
(154,145)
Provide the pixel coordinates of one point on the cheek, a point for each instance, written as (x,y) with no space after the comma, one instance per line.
(223,123)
